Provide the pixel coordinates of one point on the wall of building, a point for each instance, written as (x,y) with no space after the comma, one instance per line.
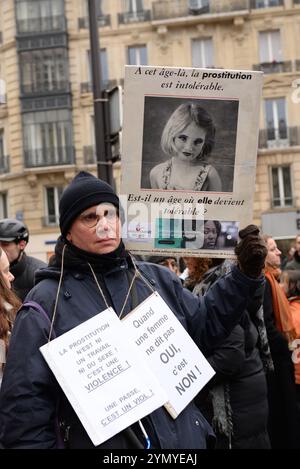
(235,34)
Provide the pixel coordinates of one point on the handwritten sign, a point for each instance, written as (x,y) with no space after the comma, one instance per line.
(169,352)
(103,378)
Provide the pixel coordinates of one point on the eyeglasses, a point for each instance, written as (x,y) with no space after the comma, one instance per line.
(91,219)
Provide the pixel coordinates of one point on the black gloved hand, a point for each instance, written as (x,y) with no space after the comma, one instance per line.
(251,251)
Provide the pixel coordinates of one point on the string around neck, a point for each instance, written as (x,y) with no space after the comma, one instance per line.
(102,293)
(57,293)
(137,273)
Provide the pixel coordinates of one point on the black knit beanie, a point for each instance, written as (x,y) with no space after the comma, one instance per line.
(84,191)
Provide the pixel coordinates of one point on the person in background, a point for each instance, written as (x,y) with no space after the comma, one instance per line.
(283,424)
(294,263)
(291,284)
(289,256)
(196,268)
(235,400)
(169,262)
(14,237)
(187,139)
(90,270)
(9,304)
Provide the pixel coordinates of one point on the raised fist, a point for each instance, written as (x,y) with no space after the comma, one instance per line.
(251,251)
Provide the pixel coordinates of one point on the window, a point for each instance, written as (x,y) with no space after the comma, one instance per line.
(103,67)
(2,91)
(3,205)
(270,46)
(37,16)
(137,55)
(3,156)
(48,138)
(133,6)
(99,7)
(133,11)
(44,70)
(53,195)
(195,5)
(276,122)
(1,144)
(202,53)
(281,186)
(267,3)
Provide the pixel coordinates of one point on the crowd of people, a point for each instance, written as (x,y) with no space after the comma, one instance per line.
(258,364)
(242,318)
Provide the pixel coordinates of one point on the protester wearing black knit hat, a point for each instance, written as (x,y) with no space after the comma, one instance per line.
(89,274)
(84,191)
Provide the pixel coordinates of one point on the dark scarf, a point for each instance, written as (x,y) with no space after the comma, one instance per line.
(75,258)
(18,266)
(297,257)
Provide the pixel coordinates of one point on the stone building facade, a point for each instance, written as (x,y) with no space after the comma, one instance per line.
(46,106)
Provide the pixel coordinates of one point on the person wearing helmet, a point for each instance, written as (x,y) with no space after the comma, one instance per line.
(14,237)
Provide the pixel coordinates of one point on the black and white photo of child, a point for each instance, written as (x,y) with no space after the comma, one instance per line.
(189,144)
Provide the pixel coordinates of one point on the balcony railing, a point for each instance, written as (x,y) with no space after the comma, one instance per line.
(174,9)
(274,67)
(4,164)
(43,24)
(49,157)
(50,220)
(45,88)
(169,9)
(103,20)
(134,17)
(89,155)
(47,102)
(286,202)
(43,41)
(87,87)
(254,4)
(283,137)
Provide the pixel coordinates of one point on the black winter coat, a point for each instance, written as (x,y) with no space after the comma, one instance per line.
(30,393)
(238,366)
(24,272)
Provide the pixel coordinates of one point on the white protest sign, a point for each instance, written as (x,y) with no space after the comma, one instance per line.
(101,376)
(189,153)
(169,352)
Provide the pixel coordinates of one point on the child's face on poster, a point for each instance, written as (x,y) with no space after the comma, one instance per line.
(189,142)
